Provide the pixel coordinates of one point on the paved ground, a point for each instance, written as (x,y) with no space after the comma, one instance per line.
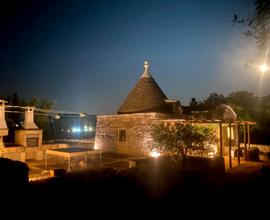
(245,167)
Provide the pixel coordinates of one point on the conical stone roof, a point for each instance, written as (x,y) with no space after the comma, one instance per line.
(146,96)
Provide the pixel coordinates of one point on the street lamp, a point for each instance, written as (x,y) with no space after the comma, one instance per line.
(264,68)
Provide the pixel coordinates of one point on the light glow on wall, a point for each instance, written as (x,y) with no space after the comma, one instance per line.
(214,150)
(96,146)
(264,68)
(228,132)
(154,153)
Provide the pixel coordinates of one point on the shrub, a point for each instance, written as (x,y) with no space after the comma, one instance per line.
(182,138)
(253,154)
(268,155)
(13,175)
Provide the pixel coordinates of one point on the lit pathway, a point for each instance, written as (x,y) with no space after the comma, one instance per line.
(245,167)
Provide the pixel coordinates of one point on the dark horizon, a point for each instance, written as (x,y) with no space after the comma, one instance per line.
(87,56)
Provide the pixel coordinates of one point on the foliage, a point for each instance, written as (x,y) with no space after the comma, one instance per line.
(42,121)
(252,108)
(248,108)
(241,112)
(244,99)
(253,154)
(182,138)
(244,104)
(258,24)
(193,102)
(213,101)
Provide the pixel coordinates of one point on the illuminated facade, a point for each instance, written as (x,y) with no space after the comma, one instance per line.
(128,131)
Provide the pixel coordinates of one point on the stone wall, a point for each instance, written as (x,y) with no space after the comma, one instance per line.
(22,135)
(137,129)
(262,148)
(24,153)
(14,153)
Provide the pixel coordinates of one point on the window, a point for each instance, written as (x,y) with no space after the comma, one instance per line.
(122,135)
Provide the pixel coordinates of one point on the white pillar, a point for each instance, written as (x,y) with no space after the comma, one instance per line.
(3,125)
(29,119)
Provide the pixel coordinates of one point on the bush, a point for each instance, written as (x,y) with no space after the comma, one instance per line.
(268,155)
(265,170)
(253,154)
(240,153)
(213,165)
(217,165)
(13,175)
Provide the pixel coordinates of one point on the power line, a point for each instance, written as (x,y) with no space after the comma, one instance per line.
(48,112)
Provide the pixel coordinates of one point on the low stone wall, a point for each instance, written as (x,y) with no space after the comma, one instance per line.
(38,153)
(26,153)
(14,153)
(76,141)
(262,148)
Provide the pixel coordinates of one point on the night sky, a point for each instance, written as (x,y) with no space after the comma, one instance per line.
(87,55)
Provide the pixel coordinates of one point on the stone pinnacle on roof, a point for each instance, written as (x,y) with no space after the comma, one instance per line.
(146,73)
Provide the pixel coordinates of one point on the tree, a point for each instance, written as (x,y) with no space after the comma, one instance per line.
(244,104)
(262,128)
(193,103)
(213,101)
(15,119)
(258,24)
(181,138)
(42,121)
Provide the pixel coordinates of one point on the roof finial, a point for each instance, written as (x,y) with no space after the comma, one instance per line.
(146,65)
(146,73)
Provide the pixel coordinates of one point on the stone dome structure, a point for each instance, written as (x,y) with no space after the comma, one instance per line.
(225,113)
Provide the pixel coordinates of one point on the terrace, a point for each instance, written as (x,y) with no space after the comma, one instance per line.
(57,166)
(54,165)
